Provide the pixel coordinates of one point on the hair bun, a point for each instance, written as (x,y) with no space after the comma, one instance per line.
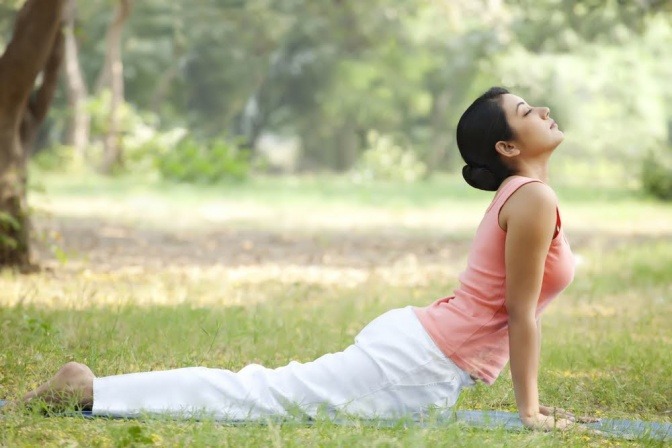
(481,178)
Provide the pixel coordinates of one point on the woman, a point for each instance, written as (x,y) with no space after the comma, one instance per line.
(412,359)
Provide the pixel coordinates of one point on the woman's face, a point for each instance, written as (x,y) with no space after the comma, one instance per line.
(535,132)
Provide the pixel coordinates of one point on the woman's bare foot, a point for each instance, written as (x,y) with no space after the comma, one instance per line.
(72,385)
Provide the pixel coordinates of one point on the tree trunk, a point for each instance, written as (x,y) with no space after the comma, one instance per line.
(34,47)
(112,155)
(163,87)
(348,146)
(178,45)
(441,138)
(79,124)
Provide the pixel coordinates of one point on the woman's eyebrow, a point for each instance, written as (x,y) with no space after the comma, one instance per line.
(518,105)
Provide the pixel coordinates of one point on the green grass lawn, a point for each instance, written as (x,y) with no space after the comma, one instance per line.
(606,342)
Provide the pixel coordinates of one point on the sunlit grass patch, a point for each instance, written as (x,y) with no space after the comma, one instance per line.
(628,265)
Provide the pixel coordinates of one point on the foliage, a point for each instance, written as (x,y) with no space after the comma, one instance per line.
(60,158)
(656,174)
(194,162)
(609,116)
(9,225)
(387,161)
(325,73)
(553,25)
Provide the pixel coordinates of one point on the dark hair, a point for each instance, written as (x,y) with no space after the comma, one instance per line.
(481,126)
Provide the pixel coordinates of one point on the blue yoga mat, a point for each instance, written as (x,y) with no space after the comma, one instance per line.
(631,429)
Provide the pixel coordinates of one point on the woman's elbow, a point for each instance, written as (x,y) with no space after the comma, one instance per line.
(522,317)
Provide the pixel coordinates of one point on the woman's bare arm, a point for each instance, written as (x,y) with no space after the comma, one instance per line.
(529,220)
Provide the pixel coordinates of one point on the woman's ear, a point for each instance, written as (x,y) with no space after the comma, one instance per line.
(506,149)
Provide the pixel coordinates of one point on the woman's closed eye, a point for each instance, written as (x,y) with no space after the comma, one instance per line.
(528,112)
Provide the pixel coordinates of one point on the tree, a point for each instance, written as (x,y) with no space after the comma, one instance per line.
(79,120)
(551,25)
(35,47)
(112,77)
(325,73)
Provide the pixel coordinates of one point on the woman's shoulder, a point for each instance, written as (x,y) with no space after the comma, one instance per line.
(528,189)
(530,199)
(536,191)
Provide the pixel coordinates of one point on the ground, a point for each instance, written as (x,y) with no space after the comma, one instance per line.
(153,277)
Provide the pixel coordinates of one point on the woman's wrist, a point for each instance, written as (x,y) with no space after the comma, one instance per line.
(527,413)
(530,407)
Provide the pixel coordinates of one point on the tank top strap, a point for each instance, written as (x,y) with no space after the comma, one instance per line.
(511,186)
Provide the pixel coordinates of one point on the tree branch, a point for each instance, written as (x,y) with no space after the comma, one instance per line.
(122,12)
(27,52)
(39,102)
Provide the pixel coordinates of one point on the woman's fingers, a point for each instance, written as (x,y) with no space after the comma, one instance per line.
(562,424)
(542,422)
(556,412)
(562,413)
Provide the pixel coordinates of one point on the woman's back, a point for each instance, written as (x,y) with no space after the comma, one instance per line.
(471,327)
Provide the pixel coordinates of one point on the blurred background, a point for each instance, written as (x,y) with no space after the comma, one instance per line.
(218,182)
(218,90)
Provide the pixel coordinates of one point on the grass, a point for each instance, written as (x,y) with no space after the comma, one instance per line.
(302,190)
(606,340)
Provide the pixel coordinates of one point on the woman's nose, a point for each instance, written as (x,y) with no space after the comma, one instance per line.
(545,112)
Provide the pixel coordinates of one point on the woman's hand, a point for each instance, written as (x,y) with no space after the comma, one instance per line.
(541,422)
(550,411)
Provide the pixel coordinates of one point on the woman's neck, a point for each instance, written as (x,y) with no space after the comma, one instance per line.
(535,169)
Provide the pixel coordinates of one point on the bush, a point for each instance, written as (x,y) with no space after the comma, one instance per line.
(385,160)
(195,162)
(60,158)
(147,146)
(657,174)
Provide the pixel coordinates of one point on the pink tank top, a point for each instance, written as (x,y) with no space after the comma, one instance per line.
(471,327)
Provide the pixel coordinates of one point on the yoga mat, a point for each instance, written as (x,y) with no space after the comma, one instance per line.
(630,429)
(613,427)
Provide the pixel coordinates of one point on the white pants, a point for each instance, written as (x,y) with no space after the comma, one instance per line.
(392,370)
